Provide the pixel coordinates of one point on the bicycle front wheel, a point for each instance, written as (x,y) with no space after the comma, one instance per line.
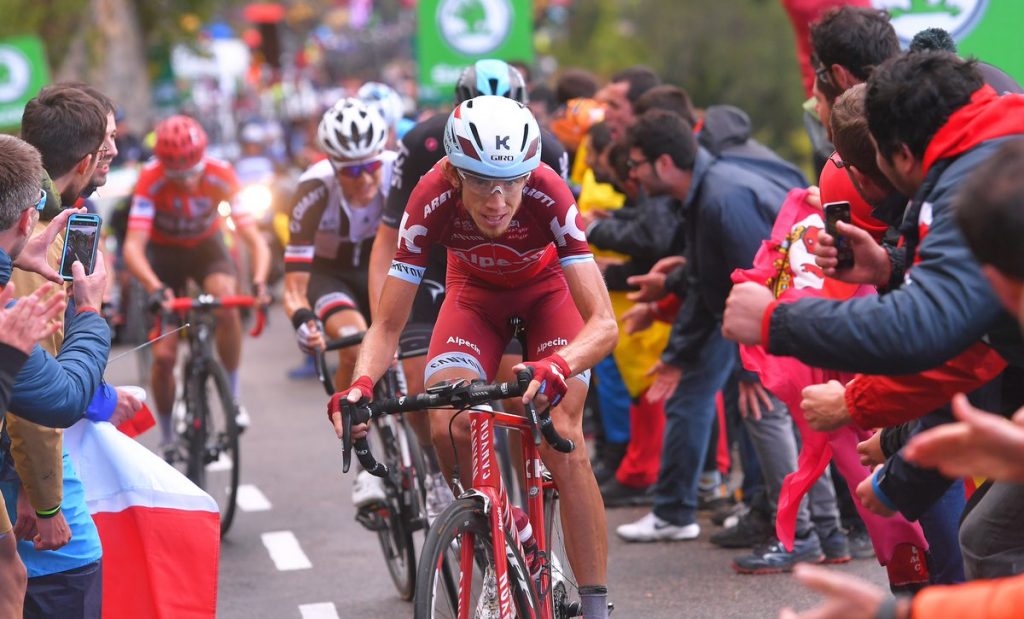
(439,575)
(214,456)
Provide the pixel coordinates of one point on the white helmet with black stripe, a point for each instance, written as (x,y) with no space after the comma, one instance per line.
(493,137)
(351,130)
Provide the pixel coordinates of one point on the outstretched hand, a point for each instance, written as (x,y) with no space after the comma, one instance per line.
(979,444)
(652,284)
(33,256)
(846,596)
(32,318)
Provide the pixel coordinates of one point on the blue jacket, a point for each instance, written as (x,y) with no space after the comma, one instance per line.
(944,306)
(728,211)
(56,392)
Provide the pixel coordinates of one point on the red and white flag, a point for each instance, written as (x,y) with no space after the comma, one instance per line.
(160,532)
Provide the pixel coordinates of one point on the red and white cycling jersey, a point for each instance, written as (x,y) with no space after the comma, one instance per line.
(174,216)
(545,231)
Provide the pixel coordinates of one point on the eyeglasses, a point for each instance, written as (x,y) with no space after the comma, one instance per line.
(42,200)
(633,164)
(186,174)
(484,186)
(821,71)
(355,169)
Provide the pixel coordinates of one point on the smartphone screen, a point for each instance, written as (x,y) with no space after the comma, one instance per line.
(836,212)
(80,243)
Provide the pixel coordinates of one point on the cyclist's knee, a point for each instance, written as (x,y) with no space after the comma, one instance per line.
(442,432)
(164,359)
(220,285)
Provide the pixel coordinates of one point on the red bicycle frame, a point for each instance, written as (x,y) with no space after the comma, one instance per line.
(488,484)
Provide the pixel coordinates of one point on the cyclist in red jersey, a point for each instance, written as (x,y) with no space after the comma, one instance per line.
(515,248)
(174,235)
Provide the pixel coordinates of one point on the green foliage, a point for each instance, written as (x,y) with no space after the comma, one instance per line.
(58,21)
(52,20)
(739,52)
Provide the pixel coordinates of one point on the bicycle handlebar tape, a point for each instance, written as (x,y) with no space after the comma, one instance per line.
(302,316)
(366,458)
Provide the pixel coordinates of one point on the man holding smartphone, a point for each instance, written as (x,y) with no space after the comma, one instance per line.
(174,235)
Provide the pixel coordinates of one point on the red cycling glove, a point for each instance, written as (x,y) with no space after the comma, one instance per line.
(551,372)
(365,386)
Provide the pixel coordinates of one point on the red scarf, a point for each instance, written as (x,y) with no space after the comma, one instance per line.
(986,117)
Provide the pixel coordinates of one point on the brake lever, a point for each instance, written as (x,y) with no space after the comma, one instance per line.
(523,378)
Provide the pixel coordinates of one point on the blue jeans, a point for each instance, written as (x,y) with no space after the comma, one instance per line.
(614,399)
(689,413)
(941,526)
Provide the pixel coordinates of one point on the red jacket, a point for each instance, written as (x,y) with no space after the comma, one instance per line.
(883,401)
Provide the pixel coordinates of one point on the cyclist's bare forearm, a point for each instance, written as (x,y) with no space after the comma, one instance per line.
(296,284)
(384,246)
(259,251)
(135,258)
(381,340)
(600,332)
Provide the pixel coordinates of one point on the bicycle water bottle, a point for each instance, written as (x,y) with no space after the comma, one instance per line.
(528,541)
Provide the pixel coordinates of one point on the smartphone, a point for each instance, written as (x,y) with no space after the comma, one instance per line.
(81,241)
(836,212)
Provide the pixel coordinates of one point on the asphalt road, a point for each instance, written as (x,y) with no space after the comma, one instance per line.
(332,566)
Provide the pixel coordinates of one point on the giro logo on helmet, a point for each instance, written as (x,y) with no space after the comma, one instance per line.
(502,142)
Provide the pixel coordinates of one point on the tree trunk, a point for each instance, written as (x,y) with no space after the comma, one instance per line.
(108,52)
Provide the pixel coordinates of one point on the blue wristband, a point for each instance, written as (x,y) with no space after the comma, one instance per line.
(104,401)
(879,493)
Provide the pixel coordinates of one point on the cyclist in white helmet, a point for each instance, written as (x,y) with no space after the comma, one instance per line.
(516,247)
(334,217)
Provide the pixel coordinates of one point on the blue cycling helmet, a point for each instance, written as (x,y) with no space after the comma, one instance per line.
(491,77)
(493,137)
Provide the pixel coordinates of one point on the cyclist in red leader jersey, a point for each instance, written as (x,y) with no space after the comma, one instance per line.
(515,248)
(175,213)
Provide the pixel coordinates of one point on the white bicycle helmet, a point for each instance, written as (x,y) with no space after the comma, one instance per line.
(351,130)
(493,137)
(384,98)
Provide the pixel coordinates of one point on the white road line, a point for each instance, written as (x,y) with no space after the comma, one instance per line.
(285,551)
(324,610)
(250,499)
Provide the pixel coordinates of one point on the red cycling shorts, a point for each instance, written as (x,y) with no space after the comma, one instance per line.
(473,328)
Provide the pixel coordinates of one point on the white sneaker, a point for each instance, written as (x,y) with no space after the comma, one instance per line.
(367,489)
(242,419)
(439,495)
(650,528)
(487,604)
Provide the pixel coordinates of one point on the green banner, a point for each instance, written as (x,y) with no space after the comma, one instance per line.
(984,29)
(453,34)
(23,71)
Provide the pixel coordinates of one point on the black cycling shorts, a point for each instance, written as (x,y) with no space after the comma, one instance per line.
(176,265)
(330,292)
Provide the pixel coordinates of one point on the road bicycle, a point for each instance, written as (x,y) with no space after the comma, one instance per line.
(404,509)
(207,448)
(472,555)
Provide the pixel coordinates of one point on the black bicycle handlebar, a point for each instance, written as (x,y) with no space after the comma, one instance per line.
(460,395)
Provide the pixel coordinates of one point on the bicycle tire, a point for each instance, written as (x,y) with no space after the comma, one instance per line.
(395,535)
(565,592)
(437,598)
(213,442)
